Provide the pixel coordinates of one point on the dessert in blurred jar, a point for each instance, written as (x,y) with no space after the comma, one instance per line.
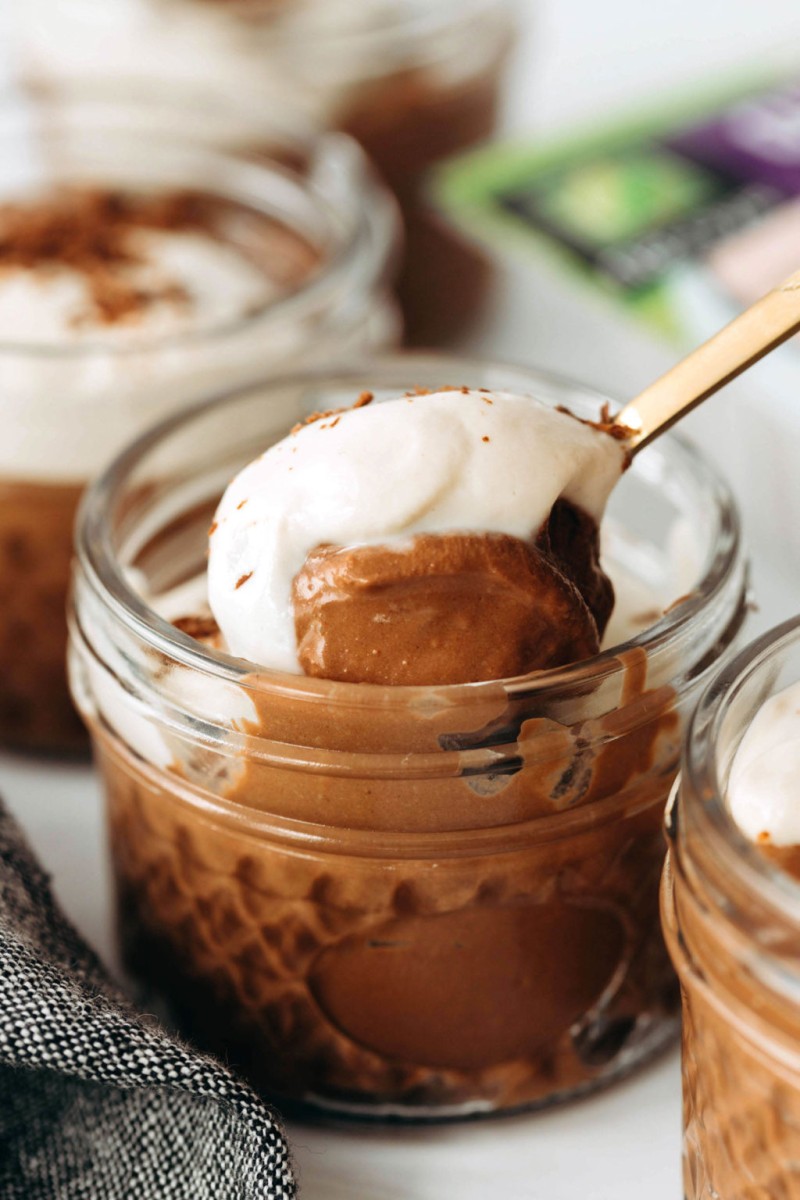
(400,855)
(413,80)
(731,910)
(137,273)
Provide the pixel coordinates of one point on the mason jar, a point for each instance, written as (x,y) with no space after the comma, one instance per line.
(732,922)
(313,215)
(414,902)
(415,81)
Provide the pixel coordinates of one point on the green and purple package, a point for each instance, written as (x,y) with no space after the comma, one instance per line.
(685,217)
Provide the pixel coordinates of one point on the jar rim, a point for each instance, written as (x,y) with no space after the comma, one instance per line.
(371,234)
(728,846)
(417,19)
(424,35)
(98,562)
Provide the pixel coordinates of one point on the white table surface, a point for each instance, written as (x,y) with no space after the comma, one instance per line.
(581,60)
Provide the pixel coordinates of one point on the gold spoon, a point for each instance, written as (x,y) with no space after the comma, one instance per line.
(762,327)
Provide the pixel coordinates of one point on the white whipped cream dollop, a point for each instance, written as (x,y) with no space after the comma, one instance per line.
(209,47)
(306,57)
(478,462)
(764,783)
(76,387)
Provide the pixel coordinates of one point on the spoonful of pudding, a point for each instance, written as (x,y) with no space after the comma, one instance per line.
(449,537)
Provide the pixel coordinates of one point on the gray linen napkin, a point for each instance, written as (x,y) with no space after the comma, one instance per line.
(97,1100)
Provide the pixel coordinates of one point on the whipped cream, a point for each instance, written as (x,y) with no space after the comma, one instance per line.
(76,388)
(209,47)
(302,56)
(52,304)
(764,784)
(476,461)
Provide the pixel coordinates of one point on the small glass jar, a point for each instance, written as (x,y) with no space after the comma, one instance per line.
(68,406)
(732,923)
(415,81)
(407,902)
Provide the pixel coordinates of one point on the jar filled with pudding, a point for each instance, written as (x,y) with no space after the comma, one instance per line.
(415,81)
(731,911)
(140,270)
(384,774)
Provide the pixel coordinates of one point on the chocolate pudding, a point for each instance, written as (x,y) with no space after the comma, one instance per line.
(36,524)
(426,984)
(372,614)
(408,124)
(741,1086)
(381,894)
(730,915)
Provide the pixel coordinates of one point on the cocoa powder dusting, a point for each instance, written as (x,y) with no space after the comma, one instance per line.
(363,400)
(605,424)
(88,231)
(197,627)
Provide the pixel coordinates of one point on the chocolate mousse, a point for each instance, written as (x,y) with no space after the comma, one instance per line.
(443,984)
(372,614)
(409,124)
(450,937)
(94,286)
(36,524)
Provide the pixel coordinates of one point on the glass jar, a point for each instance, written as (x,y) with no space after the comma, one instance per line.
(407,902)
(732,922)
(415,81)
(69,404)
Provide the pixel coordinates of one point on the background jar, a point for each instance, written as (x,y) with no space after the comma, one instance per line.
(732,923)
(392,901)
(67,407)
(415,81)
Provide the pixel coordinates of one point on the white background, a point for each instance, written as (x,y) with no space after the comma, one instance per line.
(582,60)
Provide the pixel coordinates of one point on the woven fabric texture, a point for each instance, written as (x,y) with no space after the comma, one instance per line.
(97,1100)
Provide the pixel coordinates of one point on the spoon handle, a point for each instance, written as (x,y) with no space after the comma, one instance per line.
(770,321)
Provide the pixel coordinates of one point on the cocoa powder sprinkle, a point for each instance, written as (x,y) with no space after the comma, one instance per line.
(605,424)
(197,627)
(364,399)
(88,230)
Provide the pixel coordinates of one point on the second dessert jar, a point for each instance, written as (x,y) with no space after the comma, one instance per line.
(137,270)
(416,902)
(414,81)
(731,909)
